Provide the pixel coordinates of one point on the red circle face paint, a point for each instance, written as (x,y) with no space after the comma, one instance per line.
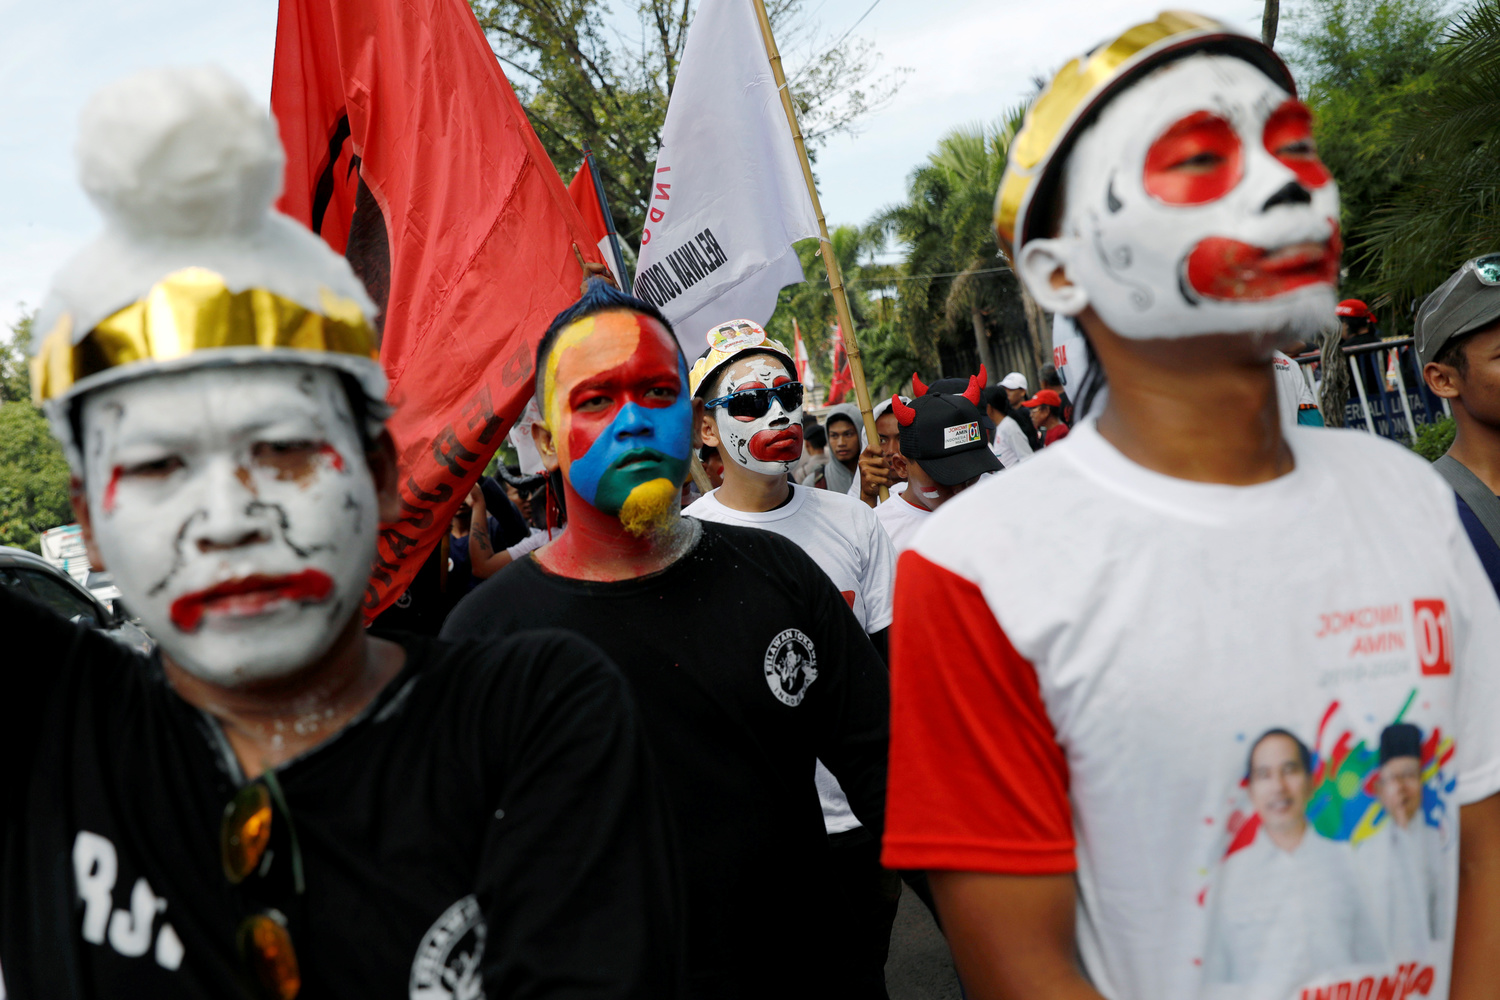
(781,445)
(1288,137)
(1229,270)
(1198,159)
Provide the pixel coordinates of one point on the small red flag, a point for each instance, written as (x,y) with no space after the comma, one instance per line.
(408,152)
(585,197)
(843,379)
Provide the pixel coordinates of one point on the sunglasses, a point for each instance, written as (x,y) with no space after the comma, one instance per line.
(264,941)
(1488,268)
(751,404)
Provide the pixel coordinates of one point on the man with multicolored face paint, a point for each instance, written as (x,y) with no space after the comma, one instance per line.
(1116,617)
(753,416)
(745,658)
(282,805)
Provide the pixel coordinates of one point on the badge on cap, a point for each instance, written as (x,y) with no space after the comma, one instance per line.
(963,434)
(736,335)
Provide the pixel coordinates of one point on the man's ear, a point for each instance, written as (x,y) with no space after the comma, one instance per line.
(541,436)
(705,427)
(382,462)
(79,498)
(1441,379)
(1043,266)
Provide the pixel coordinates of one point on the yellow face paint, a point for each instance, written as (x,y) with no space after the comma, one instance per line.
(578,354)
(649,506)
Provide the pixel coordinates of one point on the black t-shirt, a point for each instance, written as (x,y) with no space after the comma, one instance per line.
(747,665)
(491,818)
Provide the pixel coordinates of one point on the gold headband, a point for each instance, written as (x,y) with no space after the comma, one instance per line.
(193,310)
(1055,115)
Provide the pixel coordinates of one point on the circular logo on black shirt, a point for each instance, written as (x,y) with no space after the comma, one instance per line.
(447,962)
(791,666)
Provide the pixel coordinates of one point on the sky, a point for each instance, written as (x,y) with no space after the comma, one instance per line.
(969,60)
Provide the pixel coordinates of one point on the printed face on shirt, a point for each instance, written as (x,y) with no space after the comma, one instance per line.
(1400,788)
(620,416)
(236,511)
(1197,204)
(1279,784)
(769,444)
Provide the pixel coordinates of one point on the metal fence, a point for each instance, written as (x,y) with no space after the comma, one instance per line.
(1390,397)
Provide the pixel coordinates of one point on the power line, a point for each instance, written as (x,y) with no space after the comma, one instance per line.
(914,277)
(836,44)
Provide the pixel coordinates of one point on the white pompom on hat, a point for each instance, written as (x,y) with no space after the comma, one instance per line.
(184,166)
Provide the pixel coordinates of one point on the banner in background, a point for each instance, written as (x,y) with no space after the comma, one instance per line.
(728,199)
(408,152)
(805,373)
(842,380)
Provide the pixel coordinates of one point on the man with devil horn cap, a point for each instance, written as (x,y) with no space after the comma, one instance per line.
(282,805)
(944,452)
(1119,615)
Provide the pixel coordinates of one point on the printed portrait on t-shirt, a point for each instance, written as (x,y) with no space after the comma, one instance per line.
(1332,864)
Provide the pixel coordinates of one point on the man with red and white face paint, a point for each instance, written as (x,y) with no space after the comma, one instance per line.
(269,808)
(746,660)
(1071,768)
(754,420)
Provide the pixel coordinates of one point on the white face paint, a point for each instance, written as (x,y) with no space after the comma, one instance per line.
(1196,204)
(769,444)
(236,511)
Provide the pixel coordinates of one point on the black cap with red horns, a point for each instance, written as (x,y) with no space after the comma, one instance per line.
(940,431)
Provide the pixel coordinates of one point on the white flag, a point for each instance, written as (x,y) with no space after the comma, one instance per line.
(728,199)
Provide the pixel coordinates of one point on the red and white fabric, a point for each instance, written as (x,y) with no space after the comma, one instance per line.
(1084,651)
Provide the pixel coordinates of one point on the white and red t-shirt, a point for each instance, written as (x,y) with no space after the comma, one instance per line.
(901,518)
(844,539)
(1078,687)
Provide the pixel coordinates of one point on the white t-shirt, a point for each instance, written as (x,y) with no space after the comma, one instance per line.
(1292,390)
(1011,446)
(901,519)
(1098,716)
(844,539)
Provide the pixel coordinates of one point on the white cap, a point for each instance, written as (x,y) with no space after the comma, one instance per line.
(1015,380)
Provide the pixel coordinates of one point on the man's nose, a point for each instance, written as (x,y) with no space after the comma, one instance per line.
(1290,193)
(633,422)
(228,518)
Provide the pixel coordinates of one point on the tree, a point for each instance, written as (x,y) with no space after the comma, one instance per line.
(1364,65)
(582,81)
(34,476)
(1448,147)
(954,287)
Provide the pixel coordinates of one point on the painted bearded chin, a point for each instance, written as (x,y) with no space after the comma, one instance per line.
(771,444)
(236,511)
(1196,204)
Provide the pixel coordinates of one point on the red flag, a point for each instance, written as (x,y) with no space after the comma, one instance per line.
(408,152)
(585,197)
(843,379)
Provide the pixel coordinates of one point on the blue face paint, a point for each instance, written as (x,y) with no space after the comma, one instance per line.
(641,444)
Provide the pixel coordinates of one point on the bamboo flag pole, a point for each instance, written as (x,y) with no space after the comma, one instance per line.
(830,261)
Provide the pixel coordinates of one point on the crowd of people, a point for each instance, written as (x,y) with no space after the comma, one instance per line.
(1144,686)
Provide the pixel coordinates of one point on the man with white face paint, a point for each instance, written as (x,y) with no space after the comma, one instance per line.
(283,805)
(753,416)
(1070,768)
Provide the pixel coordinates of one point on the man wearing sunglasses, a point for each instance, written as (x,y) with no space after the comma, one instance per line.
(753,403)
(1166,193)
(745,659)
(283,805)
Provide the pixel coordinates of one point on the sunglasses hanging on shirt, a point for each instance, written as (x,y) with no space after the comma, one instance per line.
(263,938)
(752,404)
